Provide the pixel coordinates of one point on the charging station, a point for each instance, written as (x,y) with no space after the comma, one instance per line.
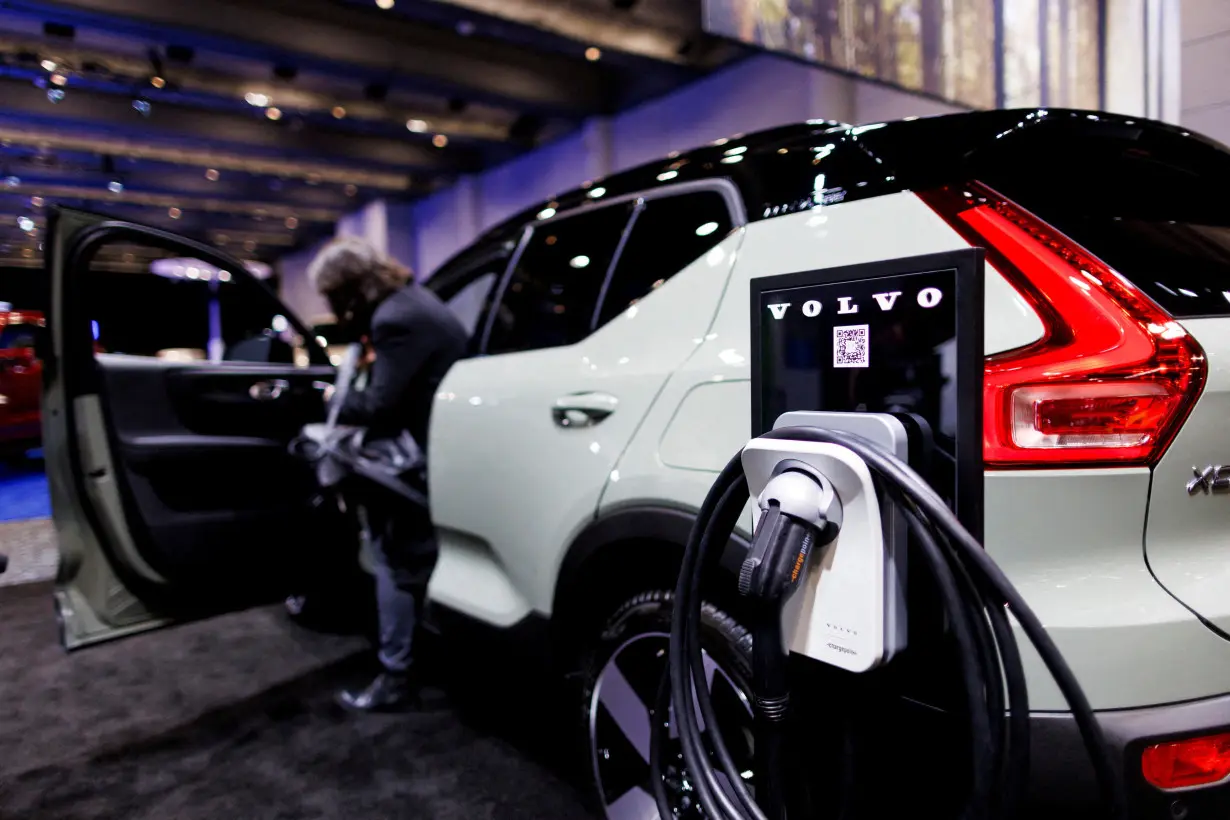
(866,471)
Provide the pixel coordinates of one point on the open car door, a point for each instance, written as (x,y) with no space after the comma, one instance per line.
(174,382)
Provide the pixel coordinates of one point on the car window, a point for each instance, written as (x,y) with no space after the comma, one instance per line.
(144,301)
(668,235)
(468,303)
(552,292)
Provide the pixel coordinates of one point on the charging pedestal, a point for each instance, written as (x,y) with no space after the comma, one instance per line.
(891,351)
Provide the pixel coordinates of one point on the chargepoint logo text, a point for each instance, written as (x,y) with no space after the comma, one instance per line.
(842,649)
(926,298)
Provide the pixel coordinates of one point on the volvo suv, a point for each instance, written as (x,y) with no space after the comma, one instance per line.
(609,381)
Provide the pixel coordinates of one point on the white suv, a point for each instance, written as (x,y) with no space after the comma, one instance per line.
(610,382)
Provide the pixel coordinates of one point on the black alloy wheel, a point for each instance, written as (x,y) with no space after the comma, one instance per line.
(623,677)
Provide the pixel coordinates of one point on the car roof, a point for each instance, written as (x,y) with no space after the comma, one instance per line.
(776,170)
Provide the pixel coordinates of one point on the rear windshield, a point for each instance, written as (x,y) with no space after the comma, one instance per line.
(1148,201)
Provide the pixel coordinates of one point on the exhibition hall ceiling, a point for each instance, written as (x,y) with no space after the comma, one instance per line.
(256,124)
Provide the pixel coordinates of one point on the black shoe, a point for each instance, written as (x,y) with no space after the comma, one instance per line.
(389,692)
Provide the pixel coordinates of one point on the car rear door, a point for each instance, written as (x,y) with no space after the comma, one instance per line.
(173,385)
(525,435)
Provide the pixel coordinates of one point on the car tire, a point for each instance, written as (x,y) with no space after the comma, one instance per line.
(622,672)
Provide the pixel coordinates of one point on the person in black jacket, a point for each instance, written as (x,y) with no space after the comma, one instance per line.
(413,339)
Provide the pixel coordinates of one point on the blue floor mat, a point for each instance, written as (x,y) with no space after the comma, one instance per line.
(23,491)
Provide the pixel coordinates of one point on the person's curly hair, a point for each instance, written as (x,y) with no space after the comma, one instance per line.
(349,264)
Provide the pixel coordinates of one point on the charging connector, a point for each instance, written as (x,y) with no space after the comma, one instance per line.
(800,512)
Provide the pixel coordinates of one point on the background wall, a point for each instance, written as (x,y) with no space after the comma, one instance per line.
(1205,56)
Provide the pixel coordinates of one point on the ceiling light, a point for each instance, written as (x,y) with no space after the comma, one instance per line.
(142,107)
(730,152)
(292,222)
(733,160)
(351,189)
(579,261)
(273,113)
(49,65)
(593,54)
(665,175)
(597,192)
(439,140)
(174,213)
(385,4)
(212,174)
(12,181)
(54,95)
(25,223)
(417,126)
(547,213)
(249,245)
(59,79)
(338,112)
(706,229)
(157,82)
(36,201)
(257,99)
(115,186)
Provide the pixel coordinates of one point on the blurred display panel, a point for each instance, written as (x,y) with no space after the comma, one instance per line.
(1051,49)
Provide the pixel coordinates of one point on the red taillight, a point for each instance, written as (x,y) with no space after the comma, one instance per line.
(1199,761)
(1113,376)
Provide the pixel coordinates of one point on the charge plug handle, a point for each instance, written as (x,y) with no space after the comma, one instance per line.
(800,512)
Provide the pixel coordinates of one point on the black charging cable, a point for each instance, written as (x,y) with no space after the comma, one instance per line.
(977,598)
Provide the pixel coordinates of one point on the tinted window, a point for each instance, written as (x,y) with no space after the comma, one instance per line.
(1147,201)
(668,235)
(554,288)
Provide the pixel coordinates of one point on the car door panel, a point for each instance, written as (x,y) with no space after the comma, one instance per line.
(174,493)
(508,480)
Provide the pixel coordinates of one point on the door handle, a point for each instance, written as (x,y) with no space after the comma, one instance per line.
(271,390)
(583,409)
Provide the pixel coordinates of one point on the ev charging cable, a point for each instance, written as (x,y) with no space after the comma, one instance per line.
(802,513)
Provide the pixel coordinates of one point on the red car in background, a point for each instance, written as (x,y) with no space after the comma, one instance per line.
(21,380)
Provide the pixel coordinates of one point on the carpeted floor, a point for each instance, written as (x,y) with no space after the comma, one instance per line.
(232,718)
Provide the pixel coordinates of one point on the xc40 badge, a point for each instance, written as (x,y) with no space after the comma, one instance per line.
(1214,478)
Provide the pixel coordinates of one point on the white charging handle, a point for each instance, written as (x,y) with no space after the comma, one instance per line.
(839,613)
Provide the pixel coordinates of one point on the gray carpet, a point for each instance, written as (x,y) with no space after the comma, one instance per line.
(233,718)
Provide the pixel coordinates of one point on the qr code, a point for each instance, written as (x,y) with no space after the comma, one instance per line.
(850,346)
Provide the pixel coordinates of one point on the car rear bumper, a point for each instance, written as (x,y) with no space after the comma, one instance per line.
(1062,779)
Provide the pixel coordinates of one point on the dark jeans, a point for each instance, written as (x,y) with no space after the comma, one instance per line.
(404,551)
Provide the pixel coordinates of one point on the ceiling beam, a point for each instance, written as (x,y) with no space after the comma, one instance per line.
(55,139)
(599,24)
(168,201)
(366,41)
(126,72)
(180,181)
(84,109)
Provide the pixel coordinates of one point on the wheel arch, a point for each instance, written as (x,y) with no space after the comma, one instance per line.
(626,550)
